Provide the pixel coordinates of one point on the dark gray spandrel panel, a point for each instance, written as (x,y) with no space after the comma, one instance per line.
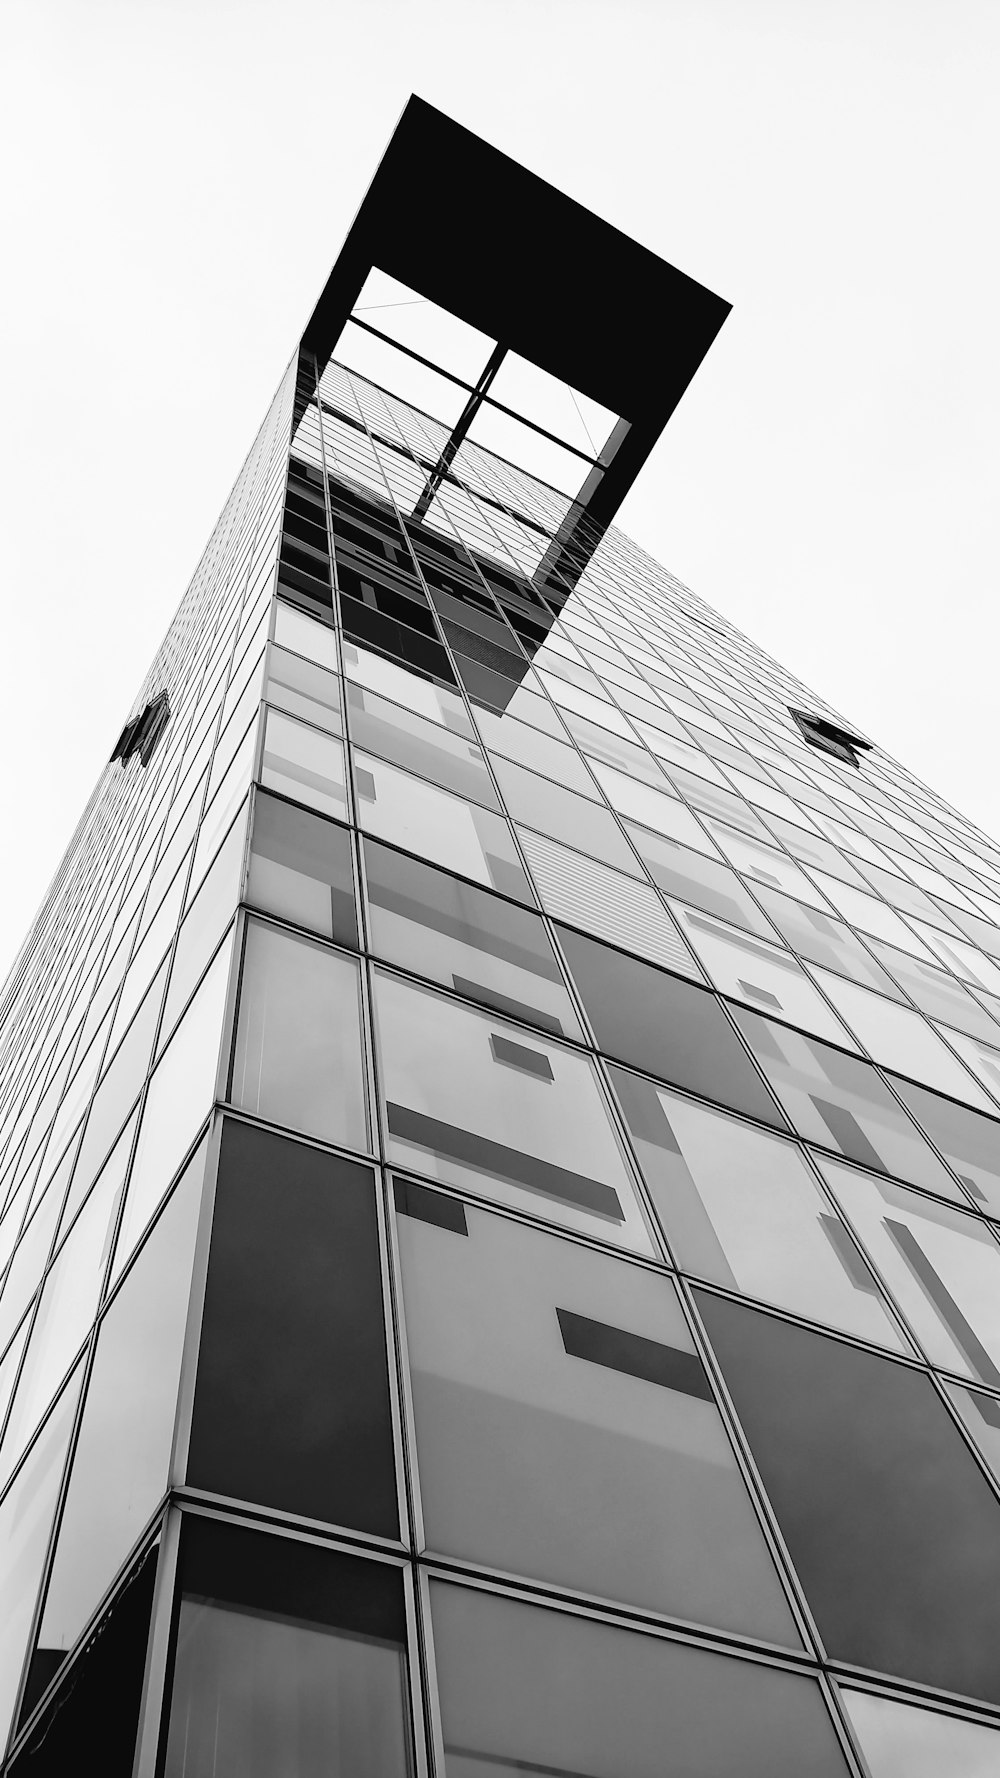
(891,1526)
(664,1026)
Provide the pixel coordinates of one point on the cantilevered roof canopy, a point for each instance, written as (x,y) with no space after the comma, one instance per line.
(526,265)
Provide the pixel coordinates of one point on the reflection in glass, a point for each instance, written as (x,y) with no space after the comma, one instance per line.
(486,949)
(901,1741)
(303,635)
(892,1527)
(566,1427)
(303,689)
(841,1102)
(501,1111)
(298,1053)
(760,973)
(942,1265)
(819,938)
(741,1207)
(529,1690)
(25,1523)
(701,881)
(664,1026)
(427,748)
(303,764)
(301,868)
(970,1143)
(180,1096)
(421,695)
(122,1459)
(425,819)
(288,1660)
(900,1039)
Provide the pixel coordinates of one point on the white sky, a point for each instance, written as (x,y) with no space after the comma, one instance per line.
(178,177)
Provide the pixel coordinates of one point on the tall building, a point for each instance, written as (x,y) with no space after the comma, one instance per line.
(499,1153)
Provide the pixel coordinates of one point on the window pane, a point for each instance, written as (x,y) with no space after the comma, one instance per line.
(970,1143)
(617,908)
(901,1040)
(301,869)
(942,1266)
(664,1026)
(819,938)
(292,1402)
(292,629)
(892,1527)
(740,1207)
(698,880)
(748,969)
(938,994)
(566,1427)
(417,745)
(841,1102)
(180,1096)
(121,1466)
(298,1058)
(565,816)
(303,689)
(418,694)
(288,1659)
(429,821)
(25,1523)
(487,949)
(303,764)
(764,863)
(498,1109)
(528,1690)
(901,1741)
(540,753)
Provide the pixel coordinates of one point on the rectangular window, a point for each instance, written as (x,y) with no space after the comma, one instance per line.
(566,1428)
(537,1138)
(284,1651)
(302,869)
(298,1058)
(292,1401)
(486,949)
(304,764)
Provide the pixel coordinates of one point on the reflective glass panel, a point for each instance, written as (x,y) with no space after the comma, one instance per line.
(122,1459)
(664,1026)
(901,1741)
(893,1529)
(528,1690)
(420,695)
(430,749)
(427,820)
(302,869)
(298,1057)
(303,635)
(741,1207)
(819,938)
(303,689)
(697,880)
(748,969)
(486,949)
(502,1111)
(565,1424)
(969,1143)
(842,1103)
(900,1039)
(303,764)
(942,1266)
(291,1406)
(288,1659)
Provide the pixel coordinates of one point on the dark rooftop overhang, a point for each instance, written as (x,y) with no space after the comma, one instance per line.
(540,274)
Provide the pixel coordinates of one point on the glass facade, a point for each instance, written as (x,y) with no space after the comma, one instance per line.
(499,1158)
